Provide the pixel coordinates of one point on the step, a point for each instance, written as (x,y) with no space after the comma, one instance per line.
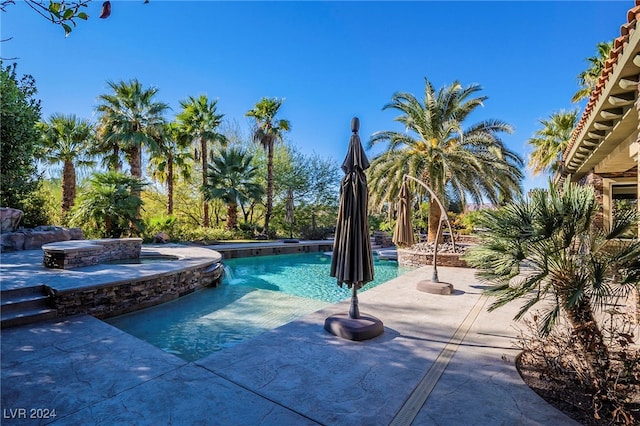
(27,317)
(20,292)
(24,306)
(23,303)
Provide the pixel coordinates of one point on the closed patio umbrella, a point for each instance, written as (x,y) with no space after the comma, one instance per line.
(289,212)
(403,232)
(352,260)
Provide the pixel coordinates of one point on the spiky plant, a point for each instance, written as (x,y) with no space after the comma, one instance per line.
(547,249)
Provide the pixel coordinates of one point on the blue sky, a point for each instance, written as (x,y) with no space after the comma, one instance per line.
(330,60)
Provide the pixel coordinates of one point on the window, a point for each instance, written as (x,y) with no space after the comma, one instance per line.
(624,198)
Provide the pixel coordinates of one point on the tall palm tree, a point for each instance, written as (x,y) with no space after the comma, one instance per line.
(200,120)
(571,265)
(232,179)
(551,140)
(131,119)
(66,139)
(589,78)
(267,131)
(171,153)
(456,162)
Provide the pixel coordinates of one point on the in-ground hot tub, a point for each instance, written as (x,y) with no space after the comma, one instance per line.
(82,253)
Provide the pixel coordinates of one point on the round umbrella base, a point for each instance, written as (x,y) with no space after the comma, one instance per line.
(364,328)
(434,288)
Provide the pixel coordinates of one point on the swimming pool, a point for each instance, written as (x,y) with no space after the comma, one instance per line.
(304,275)
(259,294)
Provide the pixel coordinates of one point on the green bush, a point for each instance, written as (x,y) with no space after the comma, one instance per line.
(37,209)
(156,224)
(310,233)
(199,234)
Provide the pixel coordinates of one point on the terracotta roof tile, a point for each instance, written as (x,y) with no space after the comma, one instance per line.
(619,44)
(633,13)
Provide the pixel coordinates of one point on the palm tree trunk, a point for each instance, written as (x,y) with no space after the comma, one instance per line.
(205,205)
(68,186)
(170,185)
(267,215)
(232,216)
(590,337)
(135,156)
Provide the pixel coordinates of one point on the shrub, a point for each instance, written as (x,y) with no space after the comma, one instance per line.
(318,233)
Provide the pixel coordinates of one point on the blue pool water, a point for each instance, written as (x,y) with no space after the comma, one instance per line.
(258,294)
(304,275)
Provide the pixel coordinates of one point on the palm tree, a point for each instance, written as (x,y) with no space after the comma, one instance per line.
(109,150)
(231,179)
(571,266)
(551,140)
(110,204)
(66,139)
(589,78)
(267,132)
(434,147)
(199,119)
(171,153)
(131,119)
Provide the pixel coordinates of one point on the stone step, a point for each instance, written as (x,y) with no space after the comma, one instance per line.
(21,292)
(26,317)
(23,303)
(24,306)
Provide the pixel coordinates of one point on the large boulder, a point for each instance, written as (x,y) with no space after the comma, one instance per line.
(10,219)
(161,237)
(34,238)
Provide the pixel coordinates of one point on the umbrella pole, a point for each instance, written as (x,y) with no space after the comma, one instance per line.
(354,312)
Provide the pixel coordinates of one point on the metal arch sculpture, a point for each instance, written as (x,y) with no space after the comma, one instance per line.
(443,214)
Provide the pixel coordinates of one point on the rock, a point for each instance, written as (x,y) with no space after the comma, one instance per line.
(34,238)
(161,237)
(12,241)
(10,219)
(75,233)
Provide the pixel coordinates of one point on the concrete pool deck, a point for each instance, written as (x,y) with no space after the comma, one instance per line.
(441,360)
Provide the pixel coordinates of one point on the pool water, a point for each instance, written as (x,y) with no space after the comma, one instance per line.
(304,275)
(257,294)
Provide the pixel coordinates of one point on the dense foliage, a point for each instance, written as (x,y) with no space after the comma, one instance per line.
(19,113)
